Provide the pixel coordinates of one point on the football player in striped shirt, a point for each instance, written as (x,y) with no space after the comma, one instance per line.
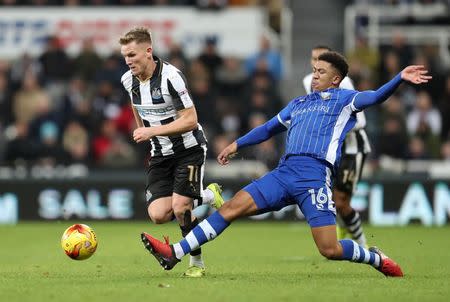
(355,148)
(316,126)
(166,117)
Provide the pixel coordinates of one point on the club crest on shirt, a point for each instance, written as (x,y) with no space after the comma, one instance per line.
(156,93)
(325,96)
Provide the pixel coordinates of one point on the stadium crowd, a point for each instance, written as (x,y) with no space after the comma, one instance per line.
(56,109)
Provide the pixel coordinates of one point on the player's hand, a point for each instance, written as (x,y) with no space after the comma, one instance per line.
(142,134)
(416,74)
(224,157)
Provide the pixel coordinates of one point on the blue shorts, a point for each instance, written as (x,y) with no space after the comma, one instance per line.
(303,180)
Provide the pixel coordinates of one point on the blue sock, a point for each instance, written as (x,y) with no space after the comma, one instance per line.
(355,253)
(205,231)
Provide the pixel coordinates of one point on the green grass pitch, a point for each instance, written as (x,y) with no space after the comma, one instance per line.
(251,261)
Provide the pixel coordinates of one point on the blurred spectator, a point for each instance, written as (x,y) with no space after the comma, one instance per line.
(111,149)
(400,48)
(203,94)
(417,149)
(365,57)
(392,140)
(262,95)
(435,86)
(50,152)
(111,70)
(125,121)
(444,107)
(231,77)
(87,63)
(267,59)
(55,67)
(390,67)
(19,147)
(260,103)
(425,122)
(5,100)
(210,57)
(107,102)
(27,98)
(177,57)
(21,67)
(75,140)
(229,116)
(44,116)
(76,93)
(445,151)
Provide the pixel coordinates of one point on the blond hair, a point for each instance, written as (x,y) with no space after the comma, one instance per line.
(138,35)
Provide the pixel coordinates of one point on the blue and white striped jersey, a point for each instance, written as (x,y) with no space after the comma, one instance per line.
(318,122)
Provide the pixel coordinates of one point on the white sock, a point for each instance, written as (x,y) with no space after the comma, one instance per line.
(208,196)
(196,260)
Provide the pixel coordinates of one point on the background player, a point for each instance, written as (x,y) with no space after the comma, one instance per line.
(317,124)
(166,116)
(354,151)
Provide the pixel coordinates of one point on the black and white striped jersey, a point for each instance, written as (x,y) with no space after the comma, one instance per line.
(157,101)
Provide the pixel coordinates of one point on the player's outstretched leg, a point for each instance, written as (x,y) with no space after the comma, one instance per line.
(169,255)
(162,251)
(373,256)
(388,267)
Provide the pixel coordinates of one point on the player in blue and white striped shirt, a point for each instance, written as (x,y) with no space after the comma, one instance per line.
(317,124)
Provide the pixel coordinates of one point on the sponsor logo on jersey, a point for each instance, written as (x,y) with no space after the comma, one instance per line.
(143,112)
(321,108)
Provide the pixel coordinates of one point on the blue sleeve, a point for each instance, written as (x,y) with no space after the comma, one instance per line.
(261,133)
(366,99)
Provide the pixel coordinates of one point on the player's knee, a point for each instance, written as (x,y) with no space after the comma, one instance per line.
(179,208)
(159,217)
(329,252)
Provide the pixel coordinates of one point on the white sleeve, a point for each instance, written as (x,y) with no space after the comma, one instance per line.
(307,80)
(347,83)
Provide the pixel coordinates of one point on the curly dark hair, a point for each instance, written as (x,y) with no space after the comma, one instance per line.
(337,60)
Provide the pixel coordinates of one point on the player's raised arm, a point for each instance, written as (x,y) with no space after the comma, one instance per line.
(416,74)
